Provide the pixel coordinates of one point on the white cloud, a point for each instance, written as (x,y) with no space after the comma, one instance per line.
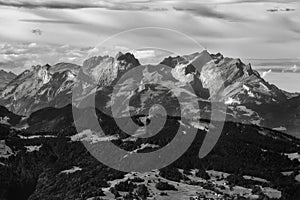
(20,56)
(141,54)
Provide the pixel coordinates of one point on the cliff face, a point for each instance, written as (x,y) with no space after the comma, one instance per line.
(51,86)
(249,98)
(37,88)
(105,70)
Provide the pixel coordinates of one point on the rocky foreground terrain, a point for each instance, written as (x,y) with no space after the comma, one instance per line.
(42,155)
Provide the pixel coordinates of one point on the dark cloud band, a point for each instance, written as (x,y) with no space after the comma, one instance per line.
(45,21)
(72,5)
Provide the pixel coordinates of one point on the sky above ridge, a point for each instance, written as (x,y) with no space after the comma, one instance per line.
(52,31)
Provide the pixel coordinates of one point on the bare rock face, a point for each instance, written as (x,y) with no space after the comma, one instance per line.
(104,70)
(51,86)
(249,98)
(37,88)
(5,78)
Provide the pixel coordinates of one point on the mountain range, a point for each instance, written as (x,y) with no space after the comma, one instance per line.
(43,157)
(249,98)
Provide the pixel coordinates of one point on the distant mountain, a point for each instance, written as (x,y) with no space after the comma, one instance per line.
(5,78)
(51,86)
(40,87)
(249,98)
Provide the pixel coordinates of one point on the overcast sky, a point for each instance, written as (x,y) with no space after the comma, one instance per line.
(51,31)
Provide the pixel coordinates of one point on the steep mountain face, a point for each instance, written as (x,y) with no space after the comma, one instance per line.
(105,70)
(5,78)
(40,87)
(249,98)
(51,86)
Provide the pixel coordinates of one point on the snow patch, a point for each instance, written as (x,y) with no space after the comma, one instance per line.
(249,92)
(246,87)
(231,101)
(293,156)
(255,179)
(4,120)
(36,136)
(144,146)
(91,137)
(30,149)
(71,171)
(287,173)
(247,111)
(5,151)
(199,126)
(281,128)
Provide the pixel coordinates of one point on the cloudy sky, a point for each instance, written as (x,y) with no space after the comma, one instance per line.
(51,31)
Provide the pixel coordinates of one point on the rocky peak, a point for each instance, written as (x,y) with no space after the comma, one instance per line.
(119,54)
(183,60)
(61,67)
(105,69)
(173,61)
(127,57)
(126,61)
(42,73)
(93,61)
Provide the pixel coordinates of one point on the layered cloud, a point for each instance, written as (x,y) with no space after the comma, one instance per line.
(74,4)
(18,57)
(236,28)
(120,5)
(205,11)
(48,21)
